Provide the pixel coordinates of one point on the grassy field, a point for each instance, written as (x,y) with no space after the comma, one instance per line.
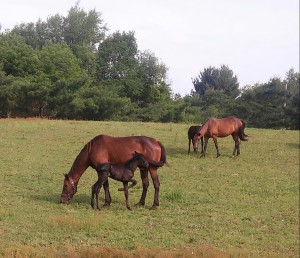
(242,207)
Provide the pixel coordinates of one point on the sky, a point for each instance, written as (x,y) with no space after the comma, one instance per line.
(257,39)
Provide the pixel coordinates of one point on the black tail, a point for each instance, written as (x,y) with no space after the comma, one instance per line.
(242,134)
(163,158)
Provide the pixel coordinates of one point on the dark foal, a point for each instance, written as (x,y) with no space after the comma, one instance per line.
(194,129)
(123,173)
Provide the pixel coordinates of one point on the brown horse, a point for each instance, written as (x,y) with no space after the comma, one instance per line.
(191,133)
(223,127)
(123,173)
(116,150)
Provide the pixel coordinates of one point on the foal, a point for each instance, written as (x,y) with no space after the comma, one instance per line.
(123,173)
(194,129)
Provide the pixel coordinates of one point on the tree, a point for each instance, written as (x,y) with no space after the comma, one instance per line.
(153,76)
(81,28)
(116,58)
(267,100)
(222,79)
(17,58)
(291,105)
(9,94)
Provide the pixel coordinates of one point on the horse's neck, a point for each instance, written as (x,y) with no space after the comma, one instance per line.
(79,166)
(203,130)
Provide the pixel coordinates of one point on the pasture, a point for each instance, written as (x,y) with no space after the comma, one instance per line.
(212,207)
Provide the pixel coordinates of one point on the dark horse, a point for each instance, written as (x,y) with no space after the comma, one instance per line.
(123,173)
(115,150)
(223,127)
(191,133)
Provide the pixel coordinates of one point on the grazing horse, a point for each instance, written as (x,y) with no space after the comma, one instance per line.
(223,127)
(115,150)
(123,173)
(191,133)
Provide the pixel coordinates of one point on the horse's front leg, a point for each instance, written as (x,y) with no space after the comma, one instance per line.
(202,150)
(205,147)
(125,184)
(216,145)
(145,182)
(94,190)
(102,178)
(107,194)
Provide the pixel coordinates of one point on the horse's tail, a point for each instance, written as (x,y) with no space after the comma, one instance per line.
(242,134)
(163,158)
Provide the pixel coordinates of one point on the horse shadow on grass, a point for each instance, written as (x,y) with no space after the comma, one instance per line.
(294,145)
(55,198)
(177,151)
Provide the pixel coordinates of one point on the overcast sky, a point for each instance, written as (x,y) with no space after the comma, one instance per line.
(257,39)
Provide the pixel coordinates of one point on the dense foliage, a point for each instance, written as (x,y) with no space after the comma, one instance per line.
(69,67)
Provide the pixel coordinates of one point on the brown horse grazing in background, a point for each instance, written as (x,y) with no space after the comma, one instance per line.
(116,150)
(123,173)
(223,127)
(191,133)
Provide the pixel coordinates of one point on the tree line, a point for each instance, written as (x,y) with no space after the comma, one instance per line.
(69,67)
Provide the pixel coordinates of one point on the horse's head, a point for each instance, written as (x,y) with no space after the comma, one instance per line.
(196,140)
(69,189)
(141,160)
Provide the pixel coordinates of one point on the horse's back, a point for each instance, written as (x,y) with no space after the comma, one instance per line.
(222,127)
(118,150)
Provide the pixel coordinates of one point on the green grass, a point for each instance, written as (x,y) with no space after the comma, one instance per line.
(248,205)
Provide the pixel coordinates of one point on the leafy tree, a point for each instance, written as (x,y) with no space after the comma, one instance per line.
(59,63)
(221,79)
(116,59)
(153,75)
(34,96)
(267,100)
(291,111)
(81,28)
(8,94)
(17,58)
(100,103)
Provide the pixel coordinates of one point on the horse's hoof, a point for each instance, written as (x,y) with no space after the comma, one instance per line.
(139,204)
(154,207)
(129,208)
(120,189)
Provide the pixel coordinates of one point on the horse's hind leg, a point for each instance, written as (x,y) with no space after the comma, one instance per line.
(133,183)
(236,149)
(156,184)
(145,181)
(189,150)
